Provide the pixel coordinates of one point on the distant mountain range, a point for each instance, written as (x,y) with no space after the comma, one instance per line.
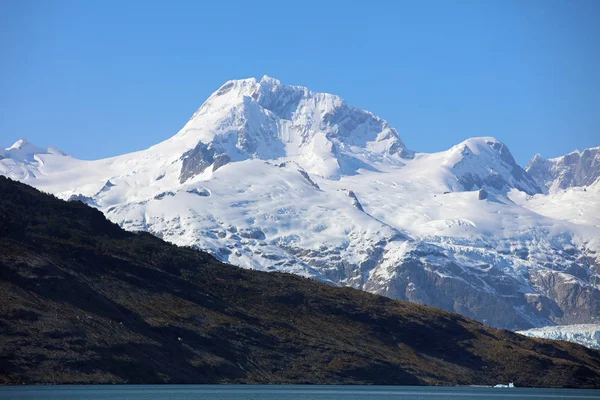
(278,178)
(83,301)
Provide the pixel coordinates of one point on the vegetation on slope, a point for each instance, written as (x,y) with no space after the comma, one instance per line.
(82,301)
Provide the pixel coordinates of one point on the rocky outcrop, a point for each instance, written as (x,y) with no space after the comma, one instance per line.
(578,300)
(195,161)
(571,170)
(429,274)
(220,160)
(355,203)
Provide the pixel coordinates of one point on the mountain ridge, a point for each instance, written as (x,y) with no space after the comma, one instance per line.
(301,182)
(575,169)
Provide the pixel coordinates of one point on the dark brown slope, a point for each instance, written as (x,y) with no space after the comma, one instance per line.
(82,301)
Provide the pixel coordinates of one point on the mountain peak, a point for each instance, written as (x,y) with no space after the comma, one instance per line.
(24,150)
(269,120)
(538,157)
(487,162)
(578,168)
(269,80)
(24,144)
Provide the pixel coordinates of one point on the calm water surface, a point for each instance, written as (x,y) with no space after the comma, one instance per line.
(287,392)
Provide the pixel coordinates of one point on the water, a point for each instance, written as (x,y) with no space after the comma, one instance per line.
(287,392)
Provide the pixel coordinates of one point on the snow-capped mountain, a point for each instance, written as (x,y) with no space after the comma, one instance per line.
(587,335)
(22,158)
(277,177)
(571,170)
(266,120)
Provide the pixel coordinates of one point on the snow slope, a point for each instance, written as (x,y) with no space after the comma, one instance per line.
(276,177)
(580,205)
(572,185)
(587,335)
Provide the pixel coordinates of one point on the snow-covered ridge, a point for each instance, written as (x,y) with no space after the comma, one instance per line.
(23,159)
(276,177)
(578,204)
(575,169)
(587,335)
(24,150)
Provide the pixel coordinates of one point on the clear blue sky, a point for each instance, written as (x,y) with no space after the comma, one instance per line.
(101,78)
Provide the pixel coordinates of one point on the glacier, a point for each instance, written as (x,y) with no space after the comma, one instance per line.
(587,335)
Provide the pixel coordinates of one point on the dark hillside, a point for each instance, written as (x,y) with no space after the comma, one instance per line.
(82,301)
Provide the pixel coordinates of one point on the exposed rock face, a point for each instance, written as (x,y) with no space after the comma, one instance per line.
(578,303)
(221,160)
(424,284)
(355,201)
(482,194)
(84,199)
(308,178)
(429,274)
(199,192)
(195,161)
(571,170)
